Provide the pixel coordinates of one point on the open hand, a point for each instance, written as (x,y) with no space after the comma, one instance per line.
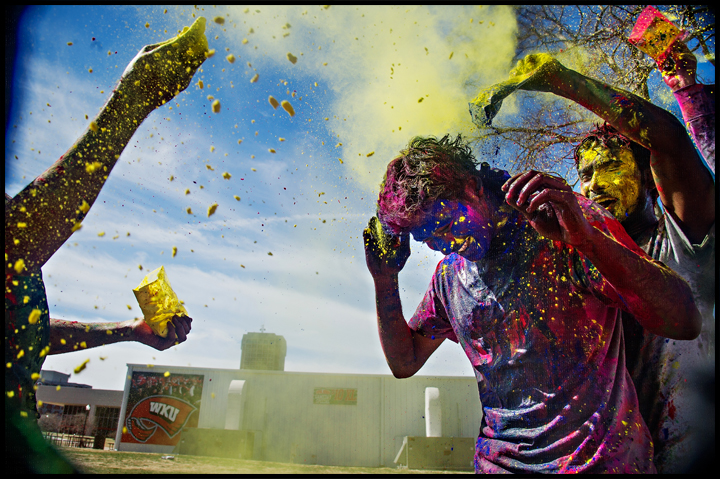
(549,205)
(178,329)
(385,255)
(161,71)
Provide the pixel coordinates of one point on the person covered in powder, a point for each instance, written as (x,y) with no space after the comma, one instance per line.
(532,286)
(39,220)
(641,153)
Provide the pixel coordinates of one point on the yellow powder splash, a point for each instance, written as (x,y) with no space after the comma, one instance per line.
(379,60)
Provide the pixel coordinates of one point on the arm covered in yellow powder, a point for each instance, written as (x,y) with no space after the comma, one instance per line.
(40,218)
(685,186)
(69,336)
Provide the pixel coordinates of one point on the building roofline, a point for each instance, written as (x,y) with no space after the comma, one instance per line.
(162,368)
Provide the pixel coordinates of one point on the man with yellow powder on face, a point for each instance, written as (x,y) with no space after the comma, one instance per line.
(641,153)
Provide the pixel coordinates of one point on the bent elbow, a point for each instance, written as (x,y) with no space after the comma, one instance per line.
(690,329)
(688,335)
(695,326)
(402,374)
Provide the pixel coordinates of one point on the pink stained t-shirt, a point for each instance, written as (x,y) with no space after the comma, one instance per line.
(542,330)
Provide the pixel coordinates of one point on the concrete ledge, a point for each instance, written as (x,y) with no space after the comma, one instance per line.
(437,453)
(216,442)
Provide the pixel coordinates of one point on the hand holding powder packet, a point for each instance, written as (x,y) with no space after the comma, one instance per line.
(158,301)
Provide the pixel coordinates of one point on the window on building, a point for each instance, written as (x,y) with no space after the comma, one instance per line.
(106,421)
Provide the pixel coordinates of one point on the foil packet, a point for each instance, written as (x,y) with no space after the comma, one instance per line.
(158,301)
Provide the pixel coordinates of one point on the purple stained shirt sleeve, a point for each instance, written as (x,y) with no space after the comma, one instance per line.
(430,318)
(697,103)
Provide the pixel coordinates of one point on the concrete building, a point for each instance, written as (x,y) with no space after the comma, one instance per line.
(264,351)
(77,409)
(262,412)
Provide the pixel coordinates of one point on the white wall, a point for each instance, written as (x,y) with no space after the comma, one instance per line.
(294,429)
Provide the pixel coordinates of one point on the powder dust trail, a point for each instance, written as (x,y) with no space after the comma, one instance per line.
(395,72)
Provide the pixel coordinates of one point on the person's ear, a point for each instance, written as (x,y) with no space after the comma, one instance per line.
(473,190)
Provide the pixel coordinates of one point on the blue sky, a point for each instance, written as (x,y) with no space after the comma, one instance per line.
(356,89)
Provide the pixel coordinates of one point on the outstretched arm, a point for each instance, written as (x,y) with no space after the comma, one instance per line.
(68,336)
(406,350)
(685,186)
(658,297)
(40,218)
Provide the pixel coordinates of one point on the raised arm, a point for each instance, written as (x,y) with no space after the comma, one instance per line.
(685,186)
(40,218)
(406,350)
(696,101)
(659,298)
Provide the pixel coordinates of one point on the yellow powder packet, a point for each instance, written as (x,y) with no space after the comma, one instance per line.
(486,105)
(158,301)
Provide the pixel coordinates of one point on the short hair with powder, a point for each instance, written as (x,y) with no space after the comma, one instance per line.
(427,170)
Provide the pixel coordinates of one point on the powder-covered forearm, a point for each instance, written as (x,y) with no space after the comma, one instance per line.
(697,104)
(68,336)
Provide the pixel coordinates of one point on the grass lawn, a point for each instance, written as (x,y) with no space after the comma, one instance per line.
(94,461)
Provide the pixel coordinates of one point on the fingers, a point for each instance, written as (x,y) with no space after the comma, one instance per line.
(161,344)
(680,61)
(525,186)
(556,197)
(182,327)
(384,254)
(509,182)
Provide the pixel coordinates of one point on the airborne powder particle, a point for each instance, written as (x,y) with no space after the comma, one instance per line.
(211,209)
(288,107)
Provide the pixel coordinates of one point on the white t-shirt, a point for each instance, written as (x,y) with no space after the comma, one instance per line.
(664,370)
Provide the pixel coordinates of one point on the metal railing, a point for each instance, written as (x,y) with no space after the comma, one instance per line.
(76,440)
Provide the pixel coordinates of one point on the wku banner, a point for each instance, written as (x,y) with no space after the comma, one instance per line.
(160,407)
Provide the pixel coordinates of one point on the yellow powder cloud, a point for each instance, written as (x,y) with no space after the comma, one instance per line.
(380,61)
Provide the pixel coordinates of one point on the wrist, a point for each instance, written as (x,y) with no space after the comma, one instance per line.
(694,101)
(682,83)
(386,282)
(589,242)
(564,82)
